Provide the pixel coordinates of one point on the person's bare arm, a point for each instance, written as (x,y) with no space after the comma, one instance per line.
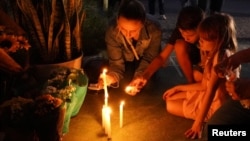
(241,56)
(158,61)
(239,88)
(7,64)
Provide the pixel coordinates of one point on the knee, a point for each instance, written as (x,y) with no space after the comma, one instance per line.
(169,106)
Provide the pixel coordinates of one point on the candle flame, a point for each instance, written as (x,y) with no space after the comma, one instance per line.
(122,102)
(105,70)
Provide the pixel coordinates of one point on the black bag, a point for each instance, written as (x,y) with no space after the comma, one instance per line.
(92,66)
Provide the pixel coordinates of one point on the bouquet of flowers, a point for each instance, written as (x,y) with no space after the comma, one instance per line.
(70,85)
(62,83)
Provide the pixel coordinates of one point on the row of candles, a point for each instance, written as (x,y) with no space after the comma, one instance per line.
(106,110)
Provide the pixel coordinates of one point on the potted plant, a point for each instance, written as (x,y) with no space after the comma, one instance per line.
(54,31)
(53,27)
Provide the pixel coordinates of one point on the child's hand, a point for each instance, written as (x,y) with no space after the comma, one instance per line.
(170,92)
(195,131)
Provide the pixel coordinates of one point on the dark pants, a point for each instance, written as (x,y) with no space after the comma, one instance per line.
(130,68)
(214,5)
(151,5)
(230,112)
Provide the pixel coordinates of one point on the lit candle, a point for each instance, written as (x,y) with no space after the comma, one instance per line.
(104,77)
(106,111)
(106,122)
(108,127)
(121,114)
(103,116)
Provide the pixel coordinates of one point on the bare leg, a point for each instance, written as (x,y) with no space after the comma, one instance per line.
(174,104)
(175,107)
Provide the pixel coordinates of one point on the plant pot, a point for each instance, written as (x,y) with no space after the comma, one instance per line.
(41,72)
(49,127)
(19,134)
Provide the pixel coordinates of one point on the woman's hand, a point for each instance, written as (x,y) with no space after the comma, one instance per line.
(100,84)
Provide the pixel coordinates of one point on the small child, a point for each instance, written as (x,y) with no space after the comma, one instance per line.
(198,101)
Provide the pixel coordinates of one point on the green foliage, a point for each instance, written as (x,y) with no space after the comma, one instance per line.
(53,27)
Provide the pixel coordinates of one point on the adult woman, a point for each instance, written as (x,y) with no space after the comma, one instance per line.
(132,39)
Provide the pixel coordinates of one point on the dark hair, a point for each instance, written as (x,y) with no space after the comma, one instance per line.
(190,17)
(132,9)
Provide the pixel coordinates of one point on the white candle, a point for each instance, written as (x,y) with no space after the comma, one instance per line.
(121,114)
(104,77)
(103,116)
(108,123)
